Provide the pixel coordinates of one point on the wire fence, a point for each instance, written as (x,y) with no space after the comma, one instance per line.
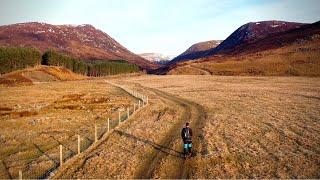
(34,160)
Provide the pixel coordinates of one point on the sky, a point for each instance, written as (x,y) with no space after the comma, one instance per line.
(162,26)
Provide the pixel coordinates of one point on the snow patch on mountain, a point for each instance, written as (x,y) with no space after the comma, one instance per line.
(275,25)
(154,57)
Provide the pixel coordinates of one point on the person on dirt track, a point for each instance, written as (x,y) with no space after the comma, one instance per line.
(186,135)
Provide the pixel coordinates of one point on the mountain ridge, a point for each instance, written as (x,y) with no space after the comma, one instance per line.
(248,32)
(196,50)
(288,41)
(81,41)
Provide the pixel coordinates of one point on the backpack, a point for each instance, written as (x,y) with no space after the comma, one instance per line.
(186,133)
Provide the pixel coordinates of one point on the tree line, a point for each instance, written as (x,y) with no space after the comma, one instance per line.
(13,58)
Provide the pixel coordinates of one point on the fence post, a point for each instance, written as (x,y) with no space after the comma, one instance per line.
(108,124)
(95,133)
(20,174)
(61,158)
(119,117)
(79,144)
(128,113)
(139,103)
(134,107)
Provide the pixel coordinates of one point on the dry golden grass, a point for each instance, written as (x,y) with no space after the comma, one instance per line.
(266,127)
(36,119)
(129,151)
(246,127)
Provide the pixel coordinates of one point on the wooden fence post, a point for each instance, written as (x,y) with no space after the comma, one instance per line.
(79,144)
(119,117)
(128,113)
(108,124)
(20,174)
(61,157)
(134,107)
(95,133)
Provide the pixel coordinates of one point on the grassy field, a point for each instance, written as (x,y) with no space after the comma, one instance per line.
(245,127)
(256,127)
(35,119)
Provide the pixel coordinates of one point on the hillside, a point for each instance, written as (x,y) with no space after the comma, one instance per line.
(39,74)
(291,52)
(250,32)
(253,32)
(298,36)
(82,41)
(196,51)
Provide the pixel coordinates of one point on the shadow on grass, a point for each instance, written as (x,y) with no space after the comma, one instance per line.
(158,147)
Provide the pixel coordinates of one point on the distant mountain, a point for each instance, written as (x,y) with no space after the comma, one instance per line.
(196,50)
(155,57)
(305,32)
(82,41)
(268,47)
(252,32)
(249,32)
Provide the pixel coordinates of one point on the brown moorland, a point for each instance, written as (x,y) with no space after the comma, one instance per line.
(36,119)
(245,127)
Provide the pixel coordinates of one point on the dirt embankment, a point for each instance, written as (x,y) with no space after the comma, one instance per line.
(39,74)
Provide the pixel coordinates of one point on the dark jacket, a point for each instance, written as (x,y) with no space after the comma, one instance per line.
(186,140)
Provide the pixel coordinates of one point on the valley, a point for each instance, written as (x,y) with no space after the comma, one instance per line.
(75,103)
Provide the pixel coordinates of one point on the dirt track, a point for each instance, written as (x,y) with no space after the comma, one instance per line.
(155,153)
(164,165)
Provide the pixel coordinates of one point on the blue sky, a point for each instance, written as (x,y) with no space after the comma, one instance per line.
(163,26)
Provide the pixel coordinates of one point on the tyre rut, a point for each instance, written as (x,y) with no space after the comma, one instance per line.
(165,165)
